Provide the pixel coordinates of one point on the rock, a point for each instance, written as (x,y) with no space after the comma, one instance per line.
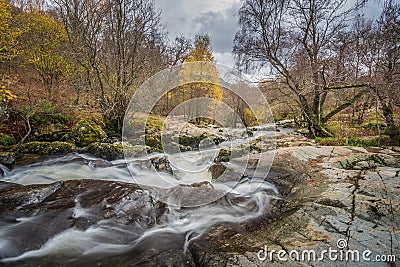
(190,141)
(224,155)
(262,144)
(217,170)
(303,131)
(105,151)
(328,194)
(270,128)
(285,123)
(184,142)
(7,159)
(161,164)
(46,148)
(293,140)
(37,213)
(84,133)
(115,151)
(51,136)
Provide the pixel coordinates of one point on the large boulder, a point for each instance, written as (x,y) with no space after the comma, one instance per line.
(84,133)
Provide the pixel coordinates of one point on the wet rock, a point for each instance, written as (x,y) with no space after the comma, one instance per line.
(7,159)
(39,212)
(270,128)
(84,133)
(184,142)
(224,155)
(303,131)
(217,170)
(161,164)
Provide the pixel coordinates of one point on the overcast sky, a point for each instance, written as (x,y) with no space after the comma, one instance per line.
(218,18)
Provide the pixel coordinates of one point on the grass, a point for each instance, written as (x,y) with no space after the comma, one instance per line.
(351,141)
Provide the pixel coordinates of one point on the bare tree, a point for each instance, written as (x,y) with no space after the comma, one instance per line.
(180,50)
(387,37)
(118,44)
(299,39)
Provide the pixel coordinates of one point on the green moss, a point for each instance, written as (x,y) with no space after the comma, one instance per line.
(84,133)
(153,125)
(51,136)
(6,140)
(351,141)
(154,142)
(105,150)
(46,148)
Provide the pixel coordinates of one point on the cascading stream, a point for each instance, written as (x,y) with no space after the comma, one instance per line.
(177,227)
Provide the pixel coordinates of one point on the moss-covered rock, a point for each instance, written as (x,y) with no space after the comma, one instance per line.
(191,141)
(194,141)
(224,155)
(46,148)
(51,136)
(185,142)
(217,170)
(114,151)
(84,133)
(105,151)
(154,142)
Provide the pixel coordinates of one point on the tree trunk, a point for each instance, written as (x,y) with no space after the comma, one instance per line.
(391,129)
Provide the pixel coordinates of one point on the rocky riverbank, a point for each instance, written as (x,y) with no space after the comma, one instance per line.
(326,194)
(89,138)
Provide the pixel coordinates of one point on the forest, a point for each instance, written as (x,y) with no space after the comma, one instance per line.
(335,72)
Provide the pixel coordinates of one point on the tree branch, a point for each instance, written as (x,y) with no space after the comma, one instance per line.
(343,106)
(338,87)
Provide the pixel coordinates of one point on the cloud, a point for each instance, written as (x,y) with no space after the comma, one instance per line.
(221,26)
(217,18)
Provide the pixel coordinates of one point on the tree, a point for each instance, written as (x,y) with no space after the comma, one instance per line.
(43,45)
(9,33)
(118,43)
(297,37)
(201,52)
(387,37)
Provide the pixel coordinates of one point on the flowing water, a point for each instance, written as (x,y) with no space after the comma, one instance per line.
(244,200)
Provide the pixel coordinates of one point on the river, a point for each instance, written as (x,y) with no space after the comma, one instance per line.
(235,202)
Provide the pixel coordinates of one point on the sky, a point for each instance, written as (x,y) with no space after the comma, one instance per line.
(218,18)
